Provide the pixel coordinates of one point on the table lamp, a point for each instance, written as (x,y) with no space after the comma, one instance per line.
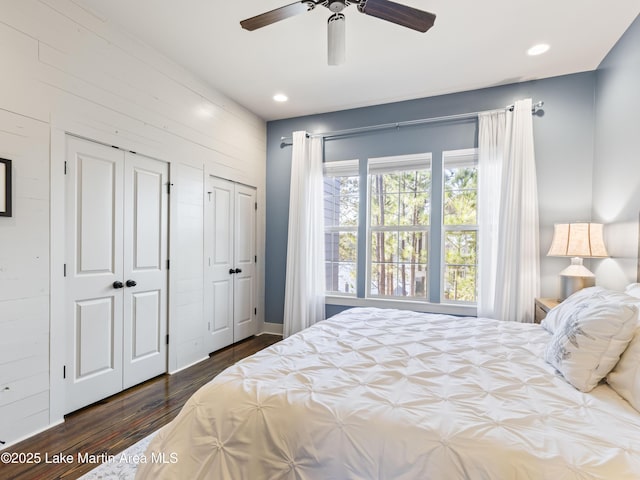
(578,241)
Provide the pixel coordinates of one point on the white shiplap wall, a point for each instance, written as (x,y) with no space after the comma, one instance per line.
(66,70)
(24,279)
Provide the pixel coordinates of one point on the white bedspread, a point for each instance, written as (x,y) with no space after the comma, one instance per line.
(386,394)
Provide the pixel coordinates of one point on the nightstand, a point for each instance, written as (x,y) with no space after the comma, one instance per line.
(542,307)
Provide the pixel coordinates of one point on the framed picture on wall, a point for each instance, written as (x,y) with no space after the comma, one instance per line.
(5,187)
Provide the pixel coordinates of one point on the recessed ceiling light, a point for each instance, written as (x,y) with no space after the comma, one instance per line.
(205,111)
(280,97)
(538,49)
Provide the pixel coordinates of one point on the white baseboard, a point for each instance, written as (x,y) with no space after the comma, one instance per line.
(29,435)
(184,367)
(272,329)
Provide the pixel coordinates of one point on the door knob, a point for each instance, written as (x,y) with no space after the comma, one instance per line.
(117,284)
(238,270)
(231,271)
(131,283)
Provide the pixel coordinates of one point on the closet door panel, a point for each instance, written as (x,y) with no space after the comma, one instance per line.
(221,311)
(245,261)
(116,277)
(147,320)
(93,262)
(219,278)
(145,273)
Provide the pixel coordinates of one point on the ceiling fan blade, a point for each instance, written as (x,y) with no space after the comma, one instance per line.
(400,14)
(276,15)
(336,39)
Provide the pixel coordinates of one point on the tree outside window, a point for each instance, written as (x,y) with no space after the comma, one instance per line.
(460,229)
(399,217)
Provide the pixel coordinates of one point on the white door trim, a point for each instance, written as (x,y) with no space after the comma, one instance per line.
(58,346)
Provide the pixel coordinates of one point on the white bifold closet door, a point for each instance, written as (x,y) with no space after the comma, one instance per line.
(230,252)
(115,270)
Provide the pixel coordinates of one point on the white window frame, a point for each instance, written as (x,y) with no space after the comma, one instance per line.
(464,156)
(343,168)
(389,164)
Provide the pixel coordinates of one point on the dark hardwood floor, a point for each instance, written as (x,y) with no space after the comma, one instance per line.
(113,424)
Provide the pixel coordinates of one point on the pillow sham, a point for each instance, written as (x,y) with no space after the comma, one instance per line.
(557,316)
(625,376)
(633,290)
(589,342)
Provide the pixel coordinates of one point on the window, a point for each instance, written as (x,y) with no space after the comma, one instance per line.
(460,226)
(341,200)
(399,216)
(403,255)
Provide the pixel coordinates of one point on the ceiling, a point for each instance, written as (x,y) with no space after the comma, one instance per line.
(472,45)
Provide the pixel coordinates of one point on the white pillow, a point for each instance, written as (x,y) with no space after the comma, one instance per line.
(588,344)
(625,376)
(633,289)
(556,317)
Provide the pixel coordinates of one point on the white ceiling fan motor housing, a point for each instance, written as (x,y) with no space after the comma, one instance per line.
(337,5)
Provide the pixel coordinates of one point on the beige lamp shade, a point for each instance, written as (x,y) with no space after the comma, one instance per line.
(577,240)
(583,240)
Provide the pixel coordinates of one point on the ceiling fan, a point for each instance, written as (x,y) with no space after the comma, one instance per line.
(384,9)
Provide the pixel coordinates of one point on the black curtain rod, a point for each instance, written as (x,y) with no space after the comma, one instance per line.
(386,126)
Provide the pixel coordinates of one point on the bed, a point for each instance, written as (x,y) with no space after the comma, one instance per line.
(389,394)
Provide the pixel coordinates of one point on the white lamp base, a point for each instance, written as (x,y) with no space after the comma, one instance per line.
(575,277)
(570,285)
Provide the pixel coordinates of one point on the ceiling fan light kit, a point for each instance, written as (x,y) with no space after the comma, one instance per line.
(402,15)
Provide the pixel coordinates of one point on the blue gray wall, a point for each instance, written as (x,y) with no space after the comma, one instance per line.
(616,186)
(563,143)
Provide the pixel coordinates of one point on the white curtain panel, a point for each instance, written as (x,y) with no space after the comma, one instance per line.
(305,282)
(491,131)
(511,269)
